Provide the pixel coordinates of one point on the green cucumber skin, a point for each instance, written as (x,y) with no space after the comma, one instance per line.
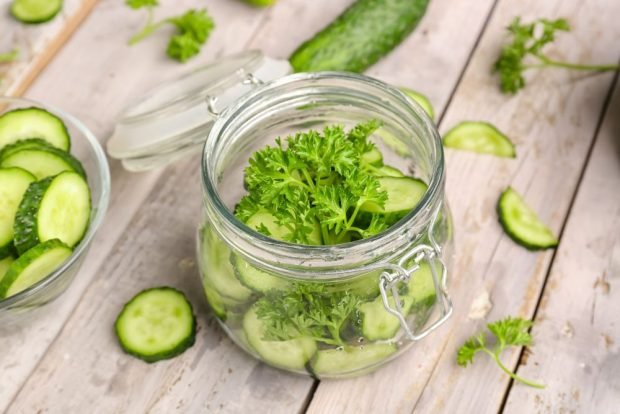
(25,227)
(66,145)
(177,350)
(24,144)
(24,261)
(515,237)
(360,36)
(41,20)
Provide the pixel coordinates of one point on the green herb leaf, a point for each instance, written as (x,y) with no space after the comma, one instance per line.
(528,40)
(196,23)
(9,56)
(138,4)
(508,332)
(182,47)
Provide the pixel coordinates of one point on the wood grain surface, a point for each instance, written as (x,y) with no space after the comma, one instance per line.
(68,361)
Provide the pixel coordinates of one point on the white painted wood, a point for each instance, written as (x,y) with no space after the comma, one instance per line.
(93,77)
(552,122)
(37,44)
(577,350)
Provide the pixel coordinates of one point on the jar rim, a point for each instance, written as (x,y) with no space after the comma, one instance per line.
(297,252)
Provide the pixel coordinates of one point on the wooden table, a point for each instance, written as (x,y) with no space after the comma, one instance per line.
(567,130)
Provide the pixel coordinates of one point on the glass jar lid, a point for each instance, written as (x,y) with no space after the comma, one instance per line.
(175,118)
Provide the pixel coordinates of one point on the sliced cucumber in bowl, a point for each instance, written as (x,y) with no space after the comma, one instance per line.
(27,123)
(54,208)
(14,182)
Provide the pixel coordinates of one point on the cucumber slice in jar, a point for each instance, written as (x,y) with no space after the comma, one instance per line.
(377,322)
(291,354)
(33,266)
(372,157)
(217,269)
(156,324)
(14,183)
(421,100)
(254,278)
(522,224)
(349,359)
(480,137)
(21,124)
(43,162)
(264,218)
(387,171)
(35,11)
(404,193)
(54,208)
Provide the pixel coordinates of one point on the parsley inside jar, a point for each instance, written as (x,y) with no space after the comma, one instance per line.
(326,237)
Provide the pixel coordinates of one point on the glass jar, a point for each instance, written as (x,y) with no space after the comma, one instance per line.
(360,303)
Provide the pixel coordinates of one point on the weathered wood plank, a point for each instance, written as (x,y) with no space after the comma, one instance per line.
(552,122)
(93,77)
(577,332)
(37,44)
(206,383)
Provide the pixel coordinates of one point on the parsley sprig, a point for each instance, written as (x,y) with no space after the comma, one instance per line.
(528,41)
(9,56)
(307,310)
(193,29)
(508,332)
(316,181)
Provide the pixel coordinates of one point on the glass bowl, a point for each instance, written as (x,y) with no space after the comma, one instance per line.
(23,306)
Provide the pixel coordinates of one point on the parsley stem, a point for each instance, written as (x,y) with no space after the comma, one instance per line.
(495,356)
(148,29)
(549,62)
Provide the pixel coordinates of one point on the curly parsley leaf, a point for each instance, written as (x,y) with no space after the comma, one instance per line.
(507,332)
(306,310)
(315,180)
(9,56)
(193,30)
(527,41)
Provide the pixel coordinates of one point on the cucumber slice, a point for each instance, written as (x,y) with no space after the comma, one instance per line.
(349,359)
(23,144)
(5,264)
(420,100)
(387,171)
(421,287)
(33,266)
(13,185)
(156,324)
(372,157)
(365,286)
(54,208)
(43,162)
(480,137)
(35,11)
(276,231)
(218,271)
(20,124)
(216,302)
(291,354)
(522,224)
(377,322)
(360,36)
(404,193)
(256,279)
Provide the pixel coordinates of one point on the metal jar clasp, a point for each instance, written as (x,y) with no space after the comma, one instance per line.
(406,268)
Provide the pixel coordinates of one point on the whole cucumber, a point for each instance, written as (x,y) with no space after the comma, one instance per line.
(360,36)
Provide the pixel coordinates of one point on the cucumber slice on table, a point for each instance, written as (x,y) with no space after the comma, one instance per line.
(54,208)
(360,36)
(156,324)
(480,137)
(13,185)
(420,100)
(20,124)
(291,354)
(33,266)
(349,359)
(42,162)
(404,193)
(35,11)
(522,224)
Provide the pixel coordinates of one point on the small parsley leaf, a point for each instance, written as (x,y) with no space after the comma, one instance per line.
(508,332)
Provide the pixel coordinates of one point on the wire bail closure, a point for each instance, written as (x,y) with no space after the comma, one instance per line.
(401,273)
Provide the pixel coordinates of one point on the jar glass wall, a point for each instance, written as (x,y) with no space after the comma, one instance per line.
(363,302)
